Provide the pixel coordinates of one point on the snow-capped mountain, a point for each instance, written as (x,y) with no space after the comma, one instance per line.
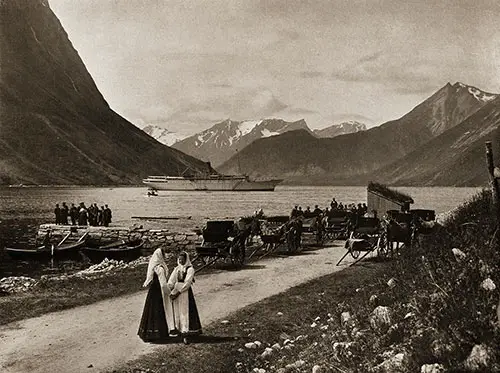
(343,128)
(220,142)
(163,135)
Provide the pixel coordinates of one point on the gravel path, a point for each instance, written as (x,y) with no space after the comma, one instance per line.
(104,334)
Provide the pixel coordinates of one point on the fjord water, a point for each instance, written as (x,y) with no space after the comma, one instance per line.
(23,209)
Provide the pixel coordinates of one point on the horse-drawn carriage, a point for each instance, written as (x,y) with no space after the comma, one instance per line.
(222,240)
(368,235)
(338,224)
(278,232)
(315,225)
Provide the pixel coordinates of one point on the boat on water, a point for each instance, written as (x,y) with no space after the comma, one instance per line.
(118,250)
(210,183)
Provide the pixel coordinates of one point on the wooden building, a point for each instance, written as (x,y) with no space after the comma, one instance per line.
(381,199)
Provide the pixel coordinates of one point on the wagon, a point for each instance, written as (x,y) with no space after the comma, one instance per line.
(222,241)
(338,224)
(273,231)
(367,236)
(315,225)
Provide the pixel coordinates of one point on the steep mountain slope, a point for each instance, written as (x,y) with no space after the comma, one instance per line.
(456,157)
(343,128)
(299,157)
(162,135)
(218,143)
(55,126)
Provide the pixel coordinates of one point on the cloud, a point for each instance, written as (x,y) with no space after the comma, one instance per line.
(311,74)
(404,73)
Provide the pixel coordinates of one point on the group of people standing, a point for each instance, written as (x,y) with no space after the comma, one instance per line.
(81,215)
(170,308)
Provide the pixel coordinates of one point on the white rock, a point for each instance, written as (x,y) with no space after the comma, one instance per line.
(313,325)
(409,315)
(479,359)
(280,314)
(391,283)
(459,254)
(345,318)
(276,346)
(316,369)
(488,284)
(373,300)
(317,319)
(224,322)
(432,368)
(381,318)
(250,345)
(240,350)
(395,363)
(257,343)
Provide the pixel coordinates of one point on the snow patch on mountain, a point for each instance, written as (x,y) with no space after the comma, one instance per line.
(267,133)
(477,93)
(163,135)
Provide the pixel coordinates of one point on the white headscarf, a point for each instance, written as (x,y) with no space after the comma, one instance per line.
(183,267)
(156,259)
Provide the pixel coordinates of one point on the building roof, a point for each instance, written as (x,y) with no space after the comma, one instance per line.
(388,193)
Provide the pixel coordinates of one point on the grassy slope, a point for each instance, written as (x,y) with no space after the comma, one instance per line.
(449,313)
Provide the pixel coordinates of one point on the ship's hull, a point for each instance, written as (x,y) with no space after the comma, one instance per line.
(223,184)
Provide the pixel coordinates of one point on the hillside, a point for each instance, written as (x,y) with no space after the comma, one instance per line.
(456,157)
(220,142)
(56,126)
(301,158)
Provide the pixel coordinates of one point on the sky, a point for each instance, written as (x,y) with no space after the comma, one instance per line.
(187,64)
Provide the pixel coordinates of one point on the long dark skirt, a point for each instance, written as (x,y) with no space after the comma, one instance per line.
(153,326)
(194,317)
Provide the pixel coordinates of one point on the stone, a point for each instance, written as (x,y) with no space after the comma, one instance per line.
(257,343)
(391,283)
(479,359)
(381,318)
(276,346)
(432,368)
(280,314)
(345,318)
(396,363)
(459,254)
(373,300)
(488,284)
(250,345)
(317,369)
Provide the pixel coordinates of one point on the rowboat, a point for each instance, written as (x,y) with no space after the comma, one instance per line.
(45,252)
(119,250)
(48,251)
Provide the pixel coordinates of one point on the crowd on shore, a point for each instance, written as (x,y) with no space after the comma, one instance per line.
(359,209)
(82,215)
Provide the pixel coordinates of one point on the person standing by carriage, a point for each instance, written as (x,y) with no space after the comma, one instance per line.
(157,316)
(73,213)
(186,317)
(64,213)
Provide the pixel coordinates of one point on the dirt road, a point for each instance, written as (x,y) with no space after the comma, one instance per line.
(104,334)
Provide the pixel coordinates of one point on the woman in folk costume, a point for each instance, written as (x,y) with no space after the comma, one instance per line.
(186,317)
(157,318)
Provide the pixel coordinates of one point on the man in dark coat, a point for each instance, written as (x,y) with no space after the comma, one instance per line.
(73,213)
(64,213)
(107,215)
(57,213)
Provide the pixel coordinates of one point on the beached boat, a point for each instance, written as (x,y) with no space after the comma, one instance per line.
(45,252)
(118,250)
(210,183)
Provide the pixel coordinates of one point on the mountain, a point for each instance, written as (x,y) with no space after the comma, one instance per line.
(218,143)
(343,128)
(56,127)
(162,135)
(299,157)
(456,157)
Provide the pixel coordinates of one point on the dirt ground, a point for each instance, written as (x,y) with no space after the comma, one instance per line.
(103,335)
